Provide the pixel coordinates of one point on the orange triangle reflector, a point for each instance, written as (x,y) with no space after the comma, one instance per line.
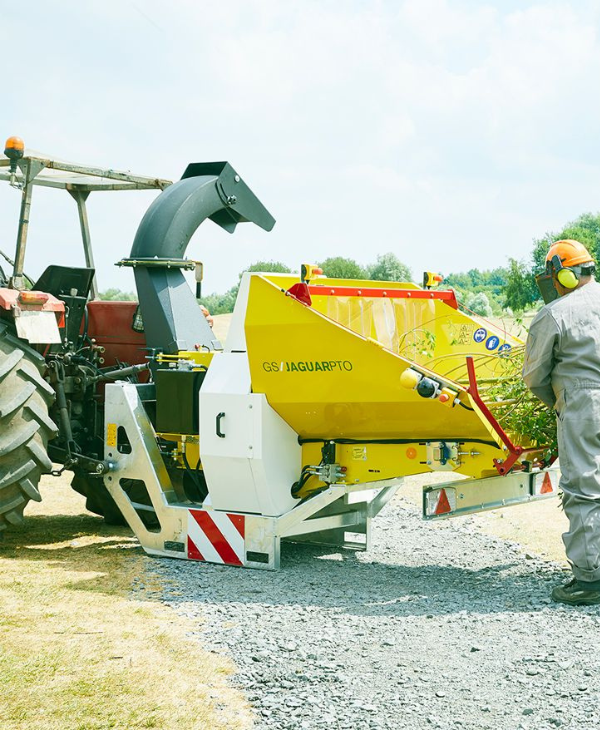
(546,484)
(443,504)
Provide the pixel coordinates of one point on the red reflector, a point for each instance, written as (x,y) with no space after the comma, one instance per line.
(443,504)
(300,292)
(33,297)
(546,485)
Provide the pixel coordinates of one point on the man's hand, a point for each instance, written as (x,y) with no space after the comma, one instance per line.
(206,313)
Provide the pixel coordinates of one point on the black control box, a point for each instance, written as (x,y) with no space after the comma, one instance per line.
(177,400)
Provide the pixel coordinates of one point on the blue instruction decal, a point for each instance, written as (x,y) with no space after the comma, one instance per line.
(503,349)
(492,342)
(480,335)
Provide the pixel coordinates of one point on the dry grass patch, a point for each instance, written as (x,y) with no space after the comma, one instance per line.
(538,527)
(221,326)
(79,652)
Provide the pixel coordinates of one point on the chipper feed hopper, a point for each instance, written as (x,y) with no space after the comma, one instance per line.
(325,394)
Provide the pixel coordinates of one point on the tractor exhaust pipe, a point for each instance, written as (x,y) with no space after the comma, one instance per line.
(172,318)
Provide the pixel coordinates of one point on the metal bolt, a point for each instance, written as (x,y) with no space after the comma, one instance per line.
(237,178)
(231,200)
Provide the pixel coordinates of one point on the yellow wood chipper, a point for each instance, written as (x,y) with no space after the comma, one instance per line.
(301,426)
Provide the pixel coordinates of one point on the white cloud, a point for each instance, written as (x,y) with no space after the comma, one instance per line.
(449,131)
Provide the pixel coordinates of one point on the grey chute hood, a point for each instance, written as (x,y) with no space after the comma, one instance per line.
(172,318)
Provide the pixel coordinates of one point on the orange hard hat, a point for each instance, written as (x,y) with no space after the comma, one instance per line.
(570,253)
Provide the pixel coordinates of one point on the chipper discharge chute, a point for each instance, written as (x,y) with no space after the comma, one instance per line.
(325,394)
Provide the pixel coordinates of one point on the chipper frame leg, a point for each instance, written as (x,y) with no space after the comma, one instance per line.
(192,531)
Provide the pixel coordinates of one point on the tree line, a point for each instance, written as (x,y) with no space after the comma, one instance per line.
(521,291)
(489,292)
(387,268)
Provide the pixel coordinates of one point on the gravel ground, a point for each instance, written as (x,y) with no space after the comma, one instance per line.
(436,626)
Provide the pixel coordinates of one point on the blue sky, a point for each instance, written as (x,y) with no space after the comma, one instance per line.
(448,132)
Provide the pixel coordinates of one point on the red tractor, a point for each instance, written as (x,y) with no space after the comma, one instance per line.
(60,344)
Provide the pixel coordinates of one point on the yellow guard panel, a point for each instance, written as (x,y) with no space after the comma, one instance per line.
(328,381)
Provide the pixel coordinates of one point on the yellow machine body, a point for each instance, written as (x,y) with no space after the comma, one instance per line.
(344,370)
(327,393)
(336,370)
(324,395)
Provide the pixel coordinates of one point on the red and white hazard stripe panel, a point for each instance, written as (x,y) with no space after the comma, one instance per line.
(216,537)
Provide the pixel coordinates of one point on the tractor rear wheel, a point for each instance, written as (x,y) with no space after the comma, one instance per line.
(97,498)
(100,501)
(25,426)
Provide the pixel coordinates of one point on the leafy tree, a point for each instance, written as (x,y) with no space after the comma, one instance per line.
(585,229)
(520,290)
(339,267)
(476,277)
(497,277)
(460,296)
(458,281)
(273,267)
(389,268)
(116,295)
(224,303)
(523,416)
(220,303)
(475,281)
(479,304)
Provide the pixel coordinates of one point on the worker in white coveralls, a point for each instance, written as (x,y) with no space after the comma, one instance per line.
(562,368)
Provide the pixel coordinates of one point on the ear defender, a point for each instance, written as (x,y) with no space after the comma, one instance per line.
(567,262)
(566,276)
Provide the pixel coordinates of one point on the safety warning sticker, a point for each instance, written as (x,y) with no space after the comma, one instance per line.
(480,334)
(492,342)
(359,453)
(111,434)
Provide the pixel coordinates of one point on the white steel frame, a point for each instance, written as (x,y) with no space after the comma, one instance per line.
(339,516)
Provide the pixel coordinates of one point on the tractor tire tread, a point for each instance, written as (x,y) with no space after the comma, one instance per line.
(25,426)
(12,402)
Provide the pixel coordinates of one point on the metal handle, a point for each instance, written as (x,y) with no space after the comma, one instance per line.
(220,434)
